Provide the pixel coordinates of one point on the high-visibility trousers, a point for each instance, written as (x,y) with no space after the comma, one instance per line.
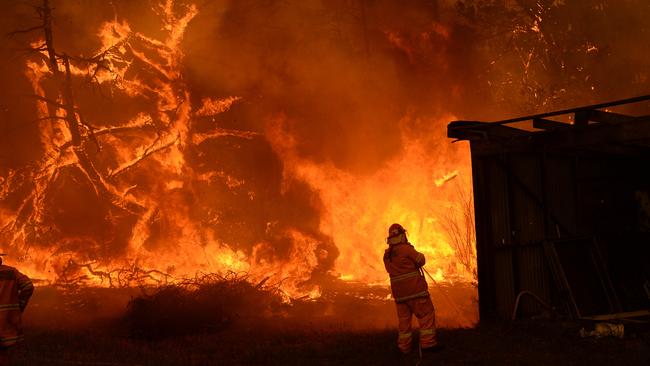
(422,308)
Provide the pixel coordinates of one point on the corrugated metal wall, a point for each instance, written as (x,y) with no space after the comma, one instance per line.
(561,194)
(520,208)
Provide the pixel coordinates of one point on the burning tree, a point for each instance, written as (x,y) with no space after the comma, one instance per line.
(116,196)
(331,128)
(84,153)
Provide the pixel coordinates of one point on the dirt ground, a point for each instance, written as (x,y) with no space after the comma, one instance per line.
(519,343)
(81,329)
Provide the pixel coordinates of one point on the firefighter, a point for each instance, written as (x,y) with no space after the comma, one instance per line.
(410,291)
(15,291)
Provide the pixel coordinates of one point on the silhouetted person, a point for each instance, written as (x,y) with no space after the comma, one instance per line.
(15,291)
(410,291)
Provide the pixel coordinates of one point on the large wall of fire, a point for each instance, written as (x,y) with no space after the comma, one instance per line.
(148,141)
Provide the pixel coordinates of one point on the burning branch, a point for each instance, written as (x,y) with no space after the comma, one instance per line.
(28,30)
(152,149)
(223,132)
(46,15)
(53,103)
(31,210)
(114,130)
(136,66)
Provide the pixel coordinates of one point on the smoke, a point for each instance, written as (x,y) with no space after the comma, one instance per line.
(343,73)
(345,88)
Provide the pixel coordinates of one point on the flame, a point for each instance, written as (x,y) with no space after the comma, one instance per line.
(358,210)
(213,107)
(139,66)
(446,178)
(167,240)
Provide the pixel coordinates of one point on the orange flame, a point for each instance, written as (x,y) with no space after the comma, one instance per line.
(410,189)
(413,188)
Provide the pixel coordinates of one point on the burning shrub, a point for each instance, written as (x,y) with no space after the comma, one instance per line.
(209,304)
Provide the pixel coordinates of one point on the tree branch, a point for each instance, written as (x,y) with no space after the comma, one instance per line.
(21,31)
(223,132)
(50,101)
(90,128)
(119,129)
(69,104)
(46,14)
(148,152)
(50,118)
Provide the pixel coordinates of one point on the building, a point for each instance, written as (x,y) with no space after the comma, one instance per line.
(562,207)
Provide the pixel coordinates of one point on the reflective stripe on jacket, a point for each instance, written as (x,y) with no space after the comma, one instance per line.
(15,291)
(403,264)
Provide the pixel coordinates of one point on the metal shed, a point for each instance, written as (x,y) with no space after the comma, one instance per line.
(562,207)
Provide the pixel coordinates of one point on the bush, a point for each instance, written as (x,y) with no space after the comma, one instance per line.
(209,304)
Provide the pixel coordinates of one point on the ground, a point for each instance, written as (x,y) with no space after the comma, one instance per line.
(518,343)
(79,329)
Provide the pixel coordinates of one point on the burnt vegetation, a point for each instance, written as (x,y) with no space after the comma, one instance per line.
(205,305)
(131,161)
(124,120)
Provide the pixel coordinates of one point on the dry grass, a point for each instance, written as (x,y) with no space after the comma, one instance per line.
(232,322)
(458,224)
(206,304)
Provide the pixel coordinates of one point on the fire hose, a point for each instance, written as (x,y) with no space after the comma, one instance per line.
(444,295)
(449,301)
(537,298)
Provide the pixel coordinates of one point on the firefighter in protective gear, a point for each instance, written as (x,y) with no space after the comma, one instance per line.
(15,291)
(410,291)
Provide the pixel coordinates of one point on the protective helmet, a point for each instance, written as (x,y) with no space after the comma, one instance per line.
(396,235)
(395,229)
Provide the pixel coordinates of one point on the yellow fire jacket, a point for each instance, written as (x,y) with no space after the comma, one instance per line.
(15,291)
(403,264)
